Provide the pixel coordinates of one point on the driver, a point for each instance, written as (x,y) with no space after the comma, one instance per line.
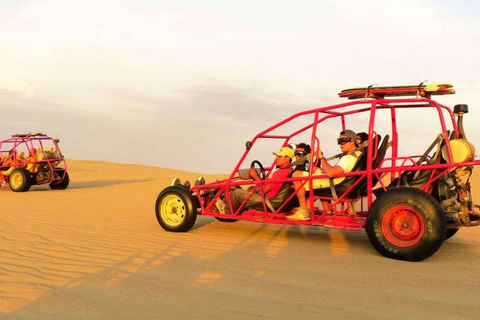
(271,189)
(32,166)
(6,165)
(8,160)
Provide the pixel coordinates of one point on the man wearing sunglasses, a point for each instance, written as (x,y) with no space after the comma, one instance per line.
(345,164)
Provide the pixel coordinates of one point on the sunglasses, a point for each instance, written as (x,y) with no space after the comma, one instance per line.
(299,154)
(343,141)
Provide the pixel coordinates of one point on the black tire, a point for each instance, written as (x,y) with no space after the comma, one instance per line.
(406,224)
(20,180)
(62,185)
(176,209)
(451,233)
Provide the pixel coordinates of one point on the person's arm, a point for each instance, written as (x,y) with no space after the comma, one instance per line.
(265,187)
(8,161)
(330,171)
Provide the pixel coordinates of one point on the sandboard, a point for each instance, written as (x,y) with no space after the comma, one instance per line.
(396,91)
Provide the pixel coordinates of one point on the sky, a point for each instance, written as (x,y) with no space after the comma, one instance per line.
(183,84)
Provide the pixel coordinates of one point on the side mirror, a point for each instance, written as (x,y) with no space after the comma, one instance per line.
(248,145)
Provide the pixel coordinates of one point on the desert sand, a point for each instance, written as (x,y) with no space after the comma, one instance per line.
(96,251)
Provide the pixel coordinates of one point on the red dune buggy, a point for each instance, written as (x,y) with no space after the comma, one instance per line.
(409,188)
(32,159)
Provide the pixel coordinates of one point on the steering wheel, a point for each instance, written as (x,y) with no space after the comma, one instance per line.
(260,166)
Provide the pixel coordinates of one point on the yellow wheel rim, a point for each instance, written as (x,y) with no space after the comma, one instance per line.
(16,180)
(172,210)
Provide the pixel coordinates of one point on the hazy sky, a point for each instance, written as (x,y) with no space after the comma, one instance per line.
(183,84)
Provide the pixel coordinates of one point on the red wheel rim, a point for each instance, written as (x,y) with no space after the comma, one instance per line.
(403,226)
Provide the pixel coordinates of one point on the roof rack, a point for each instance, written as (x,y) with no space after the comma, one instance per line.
(31,134)
(421,90)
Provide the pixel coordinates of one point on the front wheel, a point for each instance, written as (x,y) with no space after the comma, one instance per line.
(175,209)
(20,180)
(406,224)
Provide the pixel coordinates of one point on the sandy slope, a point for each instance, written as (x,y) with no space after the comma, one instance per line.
(95,251)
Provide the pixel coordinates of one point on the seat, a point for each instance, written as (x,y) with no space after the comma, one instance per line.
(381,152)
(39,154)
(417,178)
(343,186)
(360,165)
(50,153)
(283,194)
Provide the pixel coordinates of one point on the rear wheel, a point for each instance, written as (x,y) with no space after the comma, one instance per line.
(61,185)
(20,180)
(406,224)
(175,209)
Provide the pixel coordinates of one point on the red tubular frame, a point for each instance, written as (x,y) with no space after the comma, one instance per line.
(29,142)
(341,218)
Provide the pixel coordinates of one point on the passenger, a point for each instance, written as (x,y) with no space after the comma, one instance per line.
(302,150)
(345,164)
(361,138)
(31,161)
(21,159)
(270,190)
(33,155)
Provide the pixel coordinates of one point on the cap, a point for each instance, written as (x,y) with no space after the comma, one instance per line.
(349,134)
(284,152)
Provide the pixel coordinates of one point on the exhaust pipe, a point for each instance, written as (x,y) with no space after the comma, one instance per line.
(460,110)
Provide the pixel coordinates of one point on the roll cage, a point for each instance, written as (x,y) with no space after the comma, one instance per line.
(346,211)
(47,157)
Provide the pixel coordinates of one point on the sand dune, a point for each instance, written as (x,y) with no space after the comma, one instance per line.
(96,251)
